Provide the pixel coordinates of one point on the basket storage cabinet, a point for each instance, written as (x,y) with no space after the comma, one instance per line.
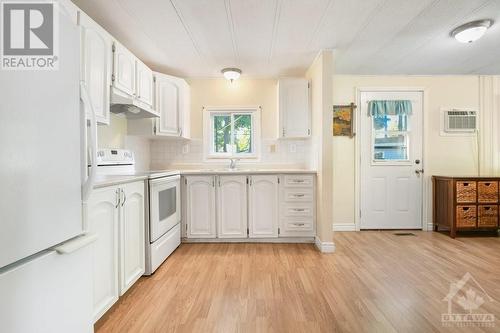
(465,203)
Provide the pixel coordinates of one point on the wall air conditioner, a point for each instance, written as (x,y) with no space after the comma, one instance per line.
(459,121)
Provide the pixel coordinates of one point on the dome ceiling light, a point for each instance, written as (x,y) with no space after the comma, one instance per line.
(472,31)
(231,73)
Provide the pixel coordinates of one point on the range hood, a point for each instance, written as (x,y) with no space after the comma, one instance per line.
(130,106)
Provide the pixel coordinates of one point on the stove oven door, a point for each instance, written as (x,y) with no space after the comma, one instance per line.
(164,205)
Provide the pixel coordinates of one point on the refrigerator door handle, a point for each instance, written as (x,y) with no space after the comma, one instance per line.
(89,183)
(75,244)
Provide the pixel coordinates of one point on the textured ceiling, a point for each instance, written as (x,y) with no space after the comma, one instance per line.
(270,38)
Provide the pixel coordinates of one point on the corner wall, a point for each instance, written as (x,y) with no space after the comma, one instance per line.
(320,74)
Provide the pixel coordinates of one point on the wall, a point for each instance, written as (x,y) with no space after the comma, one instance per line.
(320,74)
(444,155)
(243,92)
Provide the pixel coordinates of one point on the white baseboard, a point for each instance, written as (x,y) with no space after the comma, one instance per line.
(344,227)
(430,226)
(324,247)
(250,240)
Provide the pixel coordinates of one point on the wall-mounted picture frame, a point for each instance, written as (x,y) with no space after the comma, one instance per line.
(343,120)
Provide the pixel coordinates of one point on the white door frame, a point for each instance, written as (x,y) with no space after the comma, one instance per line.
(357,152)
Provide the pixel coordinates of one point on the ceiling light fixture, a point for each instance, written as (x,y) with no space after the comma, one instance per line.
(472,31)
(231,73)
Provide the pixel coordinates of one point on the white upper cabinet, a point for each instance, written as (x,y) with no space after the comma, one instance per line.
(96,60)
(263,210)
(173,103)
(200,206)
(294,108)
(124,70)
(232,206)
(144,83)
(132,241)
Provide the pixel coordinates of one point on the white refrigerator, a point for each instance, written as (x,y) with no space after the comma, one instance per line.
(45,255)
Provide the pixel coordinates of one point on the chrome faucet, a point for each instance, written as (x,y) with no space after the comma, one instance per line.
(232,163)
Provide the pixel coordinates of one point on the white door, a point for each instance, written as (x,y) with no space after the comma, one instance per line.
(96,66)
(124,69)
(294,110)
(232,207)
(263,206)
(144,83)
(200,210)
(102,220)
(167,105)
(132,242)
(391,160)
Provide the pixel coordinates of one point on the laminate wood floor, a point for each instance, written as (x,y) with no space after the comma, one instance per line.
(374,282)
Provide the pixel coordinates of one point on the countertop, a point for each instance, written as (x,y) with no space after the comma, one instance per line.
(111,180)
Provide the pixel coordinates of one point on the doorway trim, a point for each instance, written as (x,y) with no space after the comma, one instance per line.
(426,225)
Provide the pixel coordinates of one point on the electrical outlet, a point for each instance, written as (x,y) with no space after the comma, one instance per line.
(185,149)
(271,148)
(292,148)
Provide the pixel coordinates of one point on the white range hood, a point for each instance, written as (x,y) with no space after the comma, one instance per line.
(130,106)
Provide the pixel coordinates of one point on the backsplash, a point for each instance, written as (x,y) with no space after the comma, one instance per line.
(274,153)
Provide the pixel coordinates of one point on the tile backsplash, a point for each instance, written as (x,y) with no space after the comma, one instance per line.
(282,153)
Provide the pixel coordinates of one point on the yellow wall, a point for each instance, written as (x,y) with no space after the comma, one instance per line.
(242,92)
(444,155)
(112,135)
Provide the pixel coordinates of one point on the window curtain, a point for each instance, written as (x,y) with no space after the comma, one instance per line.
(381,109)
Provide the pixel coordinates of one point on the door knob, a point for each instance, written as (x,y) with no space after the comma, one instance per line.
(419,171)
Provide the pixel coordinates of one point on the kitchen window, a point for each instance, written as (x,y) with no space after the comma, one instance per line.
(231,132)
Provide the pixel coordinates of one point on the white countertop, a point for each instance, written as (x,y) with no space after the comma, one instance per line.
(111,180)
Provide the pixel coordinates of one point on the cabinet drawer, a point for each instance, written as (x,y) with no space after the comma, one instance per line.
(466,216)
(488,216)
(298,209)
(297,225)
(487,192)
(298,195)
(299,180)
(466,191)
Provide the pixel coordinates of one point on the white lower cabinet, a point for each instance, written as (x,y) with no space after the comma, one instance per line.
(263,199)
(132,235)
(200,206)
(232,207)
(116,215)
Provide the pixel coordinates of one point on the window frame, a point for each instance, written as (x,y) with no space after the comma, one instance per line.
(406,133)
(208,133)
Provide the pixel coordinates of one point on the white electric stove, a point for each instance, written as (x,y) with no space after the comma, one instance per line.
(163,211)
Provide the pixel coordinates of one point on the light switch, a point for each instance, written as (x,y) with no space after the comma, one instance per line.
(292,148)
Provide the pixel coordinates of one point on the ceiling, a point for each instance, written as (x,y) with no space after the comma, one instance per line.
(271,38)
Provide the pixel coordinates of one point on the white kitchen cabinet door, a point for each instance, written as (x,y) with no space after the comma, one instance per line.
(167,105)
(232,206)
(263,192)
(144,83)
(132,229)
(294,108)
(124,69)
(96,66)
(102,220)
(200,210)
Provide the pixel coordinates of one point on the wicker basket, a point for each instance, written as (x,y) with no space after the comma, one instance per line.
(488,216)
(487,192)
(466,216)
(466,192)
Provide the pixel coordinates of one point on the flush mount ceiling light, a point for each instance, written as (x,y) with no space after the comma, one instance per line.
(472,31)
(231,73)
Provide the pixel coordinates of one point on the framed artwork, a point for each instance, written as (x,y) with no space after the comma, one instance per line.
(343,120)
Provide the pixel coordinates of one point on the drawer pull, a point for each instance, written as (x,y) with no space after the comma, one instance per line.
(299,209)
(465,208)
(299,224)
(298,195)
(298,180)
(487,208)
(466,184)
(487,184)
